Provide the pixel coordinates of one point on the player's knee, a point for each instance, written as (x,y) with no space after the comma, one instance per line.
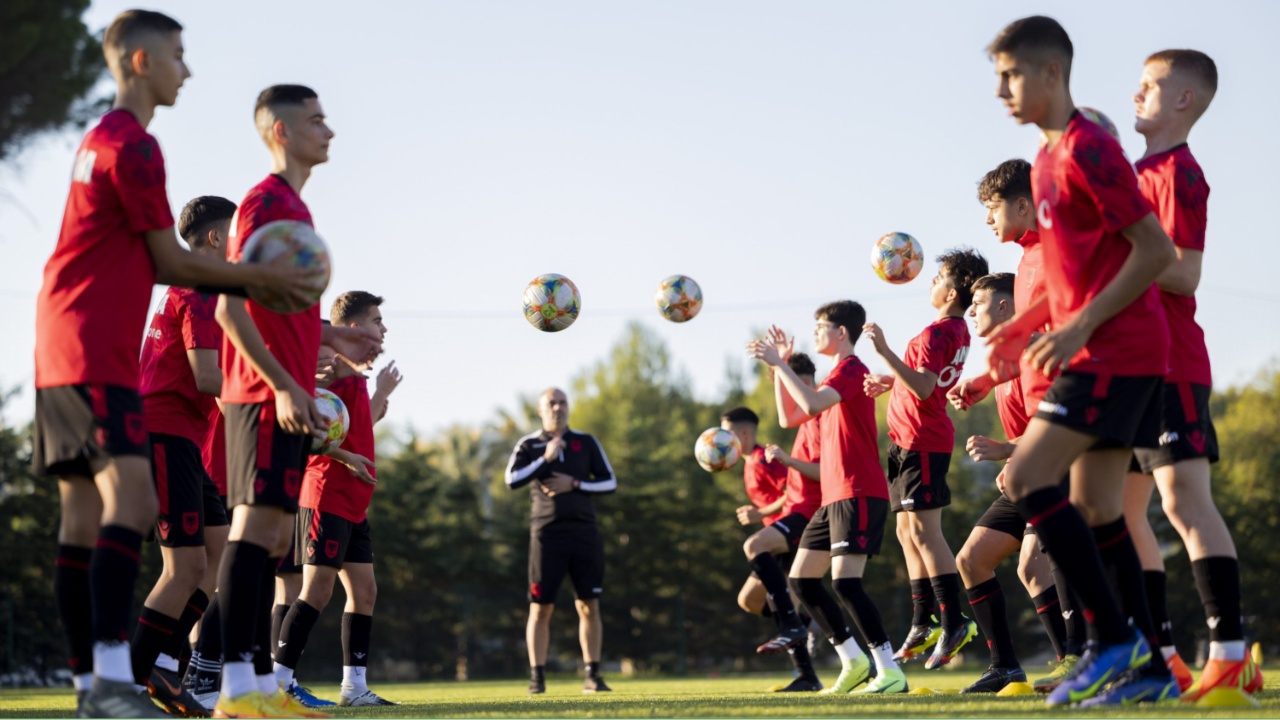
(365,595)
(748,602)
(1026,572)
(903,531)
(188,568)
(967,564)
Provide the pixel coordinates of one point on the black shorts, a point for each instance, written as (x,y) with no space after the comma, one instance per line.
(1121,411)
(918,480)
(1003,516)
(264,463)
(1186,430)
(792,528)
(78,425)
(288,563)
(188,498)
(322,538)
(847,527)
(577,552)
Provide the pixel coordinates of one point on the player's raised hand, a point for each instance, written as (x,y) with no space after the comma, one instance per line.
(765,352)
(876,385)
(982,448)
(783,344)
(388,379)
(368,342)
(773,452)
(872,332)
(748,514)
(967,393)
(554,448)
(358,464)
(325,371)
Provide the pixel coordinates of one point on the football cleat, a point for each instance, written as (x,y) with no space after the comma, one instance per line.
(800,684)
(920,639)
(1061,670)
(852,674)
(995,679)
(110,699)
(306,697)
(788,638)
(165,687)
(1135,687)
(1239,674)
(950,643)
(1100,665)
(364,699)
(249,705)
(1180,672)
(890,681)
(594,685)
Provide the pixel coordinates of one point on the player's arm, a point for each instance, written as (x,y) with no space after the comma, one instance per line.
(183,268)
(204,366)
(1152,253)
(982,448)
(774,507)
(808,401)
(295,410)
(201,341)
(524,466)
(602,478)
(1182,277)
(920,382)
(807,469)
(358,464)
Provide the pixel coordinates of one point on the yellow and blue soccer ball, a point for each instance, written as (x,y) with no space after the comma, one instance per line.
(337,422)
(717,450)
(276,238)
(551,302)
(897,258)
(679,298)
(1102,120)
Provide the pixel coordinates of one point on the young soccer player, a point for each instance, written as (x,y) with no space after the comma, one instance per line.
(1175,90)
(1103,250)
(1005,192)
(180,383)
(923,437)
(847,530)
(117,240)
(332,537)
(765,592)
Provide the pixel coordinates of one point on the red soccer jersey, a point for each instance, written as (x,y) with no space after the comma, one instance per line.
(172,403)
(1086,194)
(1027,289)
(850,463)
(328,486)
(92,307)
(294,339)
(213,450)
(1174,184)
(923,425)
(1013,414)
(765,481)
(804,495)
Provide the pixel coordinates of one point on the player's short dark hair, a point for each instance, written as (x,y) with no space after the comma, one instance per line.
(1193,62)
(997,283)
(351,306)
(1036,38)
(844,312)
(200,215)
(741,415)
(963,266)
(1009,181)
(801,364)
(278,96)
(122,35)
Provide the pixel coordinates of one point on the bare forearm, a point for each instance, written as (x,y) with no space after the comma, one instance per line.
(788,414)
(244,335)
(1182,277)
(807,469)
(1152,253)
(919,384)
(774,507)
(804,397)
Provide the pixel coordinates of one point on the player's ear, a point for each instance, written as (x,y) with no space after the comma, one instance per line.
(213,238)
(139,61)
(1186,99)
(280,131)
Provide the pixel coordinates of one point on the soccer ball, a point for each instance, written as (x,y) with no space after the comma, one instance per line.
(276,238)
(551,302)
(717,449)
(679,298)
(337,419)
(897,258)
(1098,117)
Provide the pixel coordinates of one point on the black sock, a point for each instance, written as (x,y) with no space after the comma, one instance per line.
(775,584)
(278,614)
(75,608)
(151,635)
(356,632)
(946,590)
(197,604)
(863,610)
(803,662)
(239,585)
(1156,582)
(538,673)
(262,629)
(766,611)
(1120,558)
(1218,583)
(821,607)
(209,641)
(1072,613)
(113,572)
(1064,533)
(1049,610)
(988,604)
(921,602)
(593,669)
(296,630)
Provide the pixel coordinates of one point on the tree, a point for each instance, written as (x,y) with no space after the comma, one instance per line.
(49,65)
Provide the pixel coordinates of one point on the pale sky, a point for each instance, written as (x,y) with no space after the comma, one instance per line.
(758,147)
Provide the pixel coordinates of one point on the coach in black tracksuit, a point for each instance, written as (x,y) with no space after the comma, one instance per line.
(565,470)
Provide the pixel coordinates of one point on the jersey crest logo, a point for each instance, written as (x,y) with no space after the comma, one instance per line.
(190,522)
(292,483)
(575,445)
(135,428)
(535,590)
(331,549)
(1196,438)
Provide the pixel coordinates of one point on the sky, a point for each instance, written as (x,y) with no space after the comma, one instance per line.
(758,147)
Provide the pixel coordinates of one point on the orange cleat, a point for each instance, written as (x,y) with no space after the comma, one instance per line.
(1180,671)
(1253,682)
(1239,674)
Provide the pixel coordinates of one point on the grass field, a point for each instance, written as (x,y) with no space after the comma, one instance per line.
(739,696)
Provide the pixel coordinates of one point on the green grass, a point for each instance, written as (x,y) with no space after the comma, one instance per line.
(737,696)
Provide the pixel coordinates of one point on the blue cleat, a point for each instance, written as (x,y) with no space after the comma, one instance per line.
(304,696)
(1100,665)
(1135,687)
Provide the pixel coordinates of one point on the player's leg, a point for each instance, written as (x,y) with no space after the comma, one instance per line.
(761,550)
(77,534)
(752,597)
(548,564)
(977,561)
(924,630)
(357,619)
(813,557)
(586,573)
